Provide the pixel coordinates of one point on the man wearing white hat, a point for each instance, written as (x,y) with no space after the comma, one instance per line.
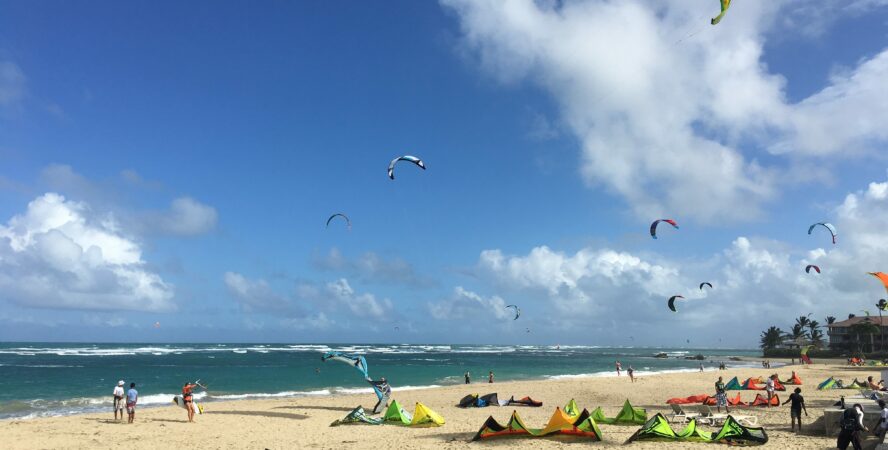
(118,399)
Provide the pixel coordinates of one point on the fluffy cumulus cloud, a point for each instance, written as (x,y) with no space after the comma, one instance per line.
(307,305)
(659,102)
(757,282)
(59,254)
(464,304)
(187,216)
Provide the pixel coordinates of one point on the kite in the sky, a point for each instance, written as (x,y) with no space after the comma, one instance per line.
(657,222)
(517,311)
(705,283)
(812,266)
(156,324)
(348,221)
(671,302)
(828,226)
(413,159)
(725,4)
(883,277)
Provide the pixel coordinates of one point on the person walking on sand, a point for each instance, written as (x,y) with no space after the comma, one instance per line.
(721,396)
(118,399)
(619,367)
(795,410)
(631,372)
(490,377)
(701,367)
(468,378)
(132,397)
(851,426)
(769,388)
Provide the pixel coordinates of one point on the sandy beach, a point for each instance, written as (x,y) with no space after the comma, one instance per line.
(304,422)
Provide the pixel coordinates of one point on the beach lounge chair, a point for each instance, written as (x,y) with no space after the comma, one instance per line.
(708,417)
(679,414)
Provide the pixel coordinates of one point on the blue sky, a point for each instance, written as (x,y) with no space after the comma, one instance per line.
(175,163)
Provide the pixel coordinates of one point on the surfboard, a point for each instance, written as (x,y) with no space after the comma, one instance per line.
(178,401)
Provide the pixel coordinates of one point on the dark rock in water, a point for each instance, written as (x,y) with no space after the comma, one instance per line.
(661,355)
(735,358)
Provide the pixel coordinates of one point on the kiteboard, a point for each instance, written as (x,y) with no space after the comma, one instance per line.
(178,400)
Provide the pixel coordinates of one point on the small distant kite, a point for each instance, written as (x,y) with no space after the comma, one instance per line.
(348,221)
(413,159)
(883,277)
(657,222)
(866,312)
(705,283)
(725,4)
(828,226)
(671,302)
(528,330)
(517,311)
(812,266)
(156,324)
(397,328)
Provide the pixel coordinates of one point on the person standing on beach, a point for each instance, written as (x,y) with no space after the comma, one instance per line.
(619,367)
(795,410)
(118,399)
(132,397)
(490,377)
(701,367)
(468,378)
(188,399)
(630,372)
(721,396)
(769,388)
(852,425)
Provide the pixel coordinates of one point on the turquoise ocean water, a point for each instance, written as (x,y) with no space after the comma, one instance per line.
(48,379)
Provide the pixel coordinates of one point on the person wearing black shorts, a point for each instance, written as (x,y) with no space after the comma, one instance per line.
(795,410)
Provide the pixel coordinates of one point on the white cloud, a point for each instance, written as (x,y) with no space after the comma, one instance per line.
(757,282)
(361,305)
(187,216)
(255,295)
(467,305)
(307,304)
(58,254)
(659,107)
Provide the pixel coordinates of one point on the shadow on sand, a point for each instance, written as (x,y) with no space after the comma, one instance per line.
(277,415)
(327,408)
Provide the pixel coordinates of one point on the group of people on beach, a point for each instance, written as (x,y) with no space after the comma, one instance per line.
(468,377)
(130,398)
(630,371)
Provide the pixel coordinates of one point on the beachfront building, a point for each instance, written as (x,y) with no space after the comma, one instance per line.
(848,333)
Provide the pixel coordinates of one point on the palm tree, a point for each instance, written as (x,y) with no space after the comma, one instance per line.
(830,320)
(771,337)
(803,321)
(814,333)
(798,331)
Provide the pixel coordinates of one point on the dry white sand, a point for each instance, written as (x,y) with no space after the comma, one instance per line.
(304,422)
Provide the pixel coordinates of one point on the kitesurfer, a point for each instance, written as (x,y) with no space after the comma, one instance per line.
(188,399)
(619,367)
(490,377)
(468,377)
(721,396)
(383,387)
(631,373)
